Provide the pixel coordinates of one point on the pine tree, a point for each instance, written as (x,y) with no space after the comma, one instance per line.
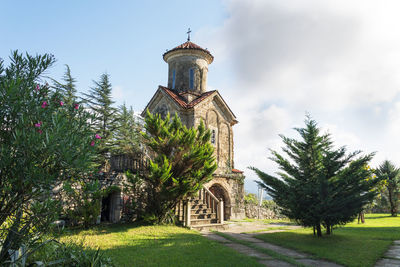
(181,162)
(100,102)
(127,134)
(388,172)
(319,185)
(67,88)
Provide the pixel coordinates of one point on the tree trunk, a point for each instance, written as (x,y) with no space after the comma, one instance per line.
(393,208)
(328,229)
(12,240)
(319,233)
(314,230)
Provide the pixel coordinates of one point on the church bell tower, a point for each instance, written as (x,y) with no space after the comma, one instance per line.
(187,96)
(188,67)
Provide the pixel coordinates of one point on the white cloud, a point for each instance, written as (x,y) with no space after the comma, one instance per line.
(338,60)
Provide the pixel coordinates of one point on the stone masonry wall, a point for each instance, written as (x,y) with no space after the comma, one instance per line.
(211,114)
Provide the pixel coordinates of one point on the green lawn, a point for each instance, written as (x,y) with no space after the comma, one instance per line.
(351,245)
(133,245)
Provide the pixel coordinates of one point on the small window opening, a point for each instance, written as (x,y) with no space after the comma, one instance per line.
(191,78)
(173,79)
(213,137)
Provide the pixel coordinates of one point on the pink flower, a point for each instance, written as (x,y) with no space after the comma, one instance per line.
(44,104)
(92,143)
(37,125)
(37,87)
(76,106)
(40,131)
(97,136)
(61,103)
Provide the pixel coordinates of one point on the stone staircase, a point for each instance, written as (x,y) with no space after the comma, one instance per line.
(202,212)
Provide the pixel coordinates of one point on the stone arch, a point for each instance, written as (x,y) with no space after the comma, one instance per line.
(222,193)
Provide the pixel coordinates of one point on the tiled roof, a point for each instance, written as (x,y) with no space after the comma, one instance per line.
(236,171)
(181,101)
(189,45)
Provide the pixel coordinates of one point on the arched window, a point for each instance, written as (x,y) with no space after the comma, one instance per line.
(191,78)
(213,137)
(173,79)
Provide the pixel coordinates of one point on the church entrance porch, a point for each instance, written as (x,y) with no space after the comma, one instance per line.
(221,193)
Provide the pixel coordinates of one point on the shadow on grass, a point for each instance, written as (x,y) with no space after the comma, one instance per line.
(178,249)
(101,229)
(379,217)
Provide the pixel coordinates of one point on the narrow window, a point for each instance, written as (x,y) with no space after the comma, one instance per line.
(173,79)
(213,137)
(191,78)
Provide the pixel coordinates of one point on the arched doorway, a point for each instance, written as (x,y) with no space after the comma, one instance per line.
(220,192)
(111,207)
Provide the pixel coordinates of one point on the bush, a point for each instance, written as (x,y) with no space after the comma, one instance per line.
(43,142)
(82,202)
(54,253)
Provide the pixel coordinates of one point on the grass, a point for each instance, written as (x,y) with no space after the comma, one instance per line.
(136,245)
(351,245)
(269,252)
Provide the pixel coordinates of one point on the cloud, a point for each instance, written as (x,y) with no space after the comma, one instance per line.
(338,60)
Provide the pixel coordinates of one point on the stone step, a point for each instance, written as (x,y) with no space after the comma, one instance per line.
(200,211)
(199,206)
(202,221)
(196,201)
(203,216)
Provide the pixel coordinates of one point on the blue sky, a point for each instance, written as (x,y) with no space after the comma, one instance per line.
(123,38)
(275,61)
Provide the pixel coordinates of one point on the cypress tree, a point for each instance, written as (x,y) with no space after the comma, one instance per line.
(319,185)
(388,172)
(181,162)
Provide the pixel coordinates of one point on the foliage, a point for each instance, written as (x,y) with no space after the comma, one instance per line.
(40,147)
(68,88)
(390,192)
(181,162)
(52,253)
(161,246)
(101,105)
(81,201)
(127,133)
(352,245)
(135,189)
(271,205)
(318,184)
(250,198)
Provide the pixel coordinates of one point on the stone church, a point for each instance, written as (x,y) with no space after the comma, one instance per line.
(187,95)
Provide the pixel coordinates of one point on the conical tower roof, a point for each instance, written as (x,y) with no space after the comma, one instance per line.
(189,47)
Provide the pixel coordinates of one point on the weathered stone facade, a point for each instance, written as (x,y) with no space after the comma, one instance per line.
(187,96)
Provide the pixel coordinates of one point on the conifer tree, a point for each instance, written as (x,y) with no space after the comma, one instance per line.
(127,134)
(319,185)
(181,162)
(68,87)
(388,172)
(100,102)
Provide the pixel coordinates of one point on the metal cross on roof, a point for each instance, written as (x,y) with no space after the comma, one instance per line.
(188,33)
